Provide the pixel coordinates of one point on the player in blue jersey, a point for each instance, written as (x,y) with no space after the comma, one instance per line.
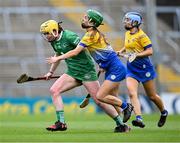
(107,59)
(138,47)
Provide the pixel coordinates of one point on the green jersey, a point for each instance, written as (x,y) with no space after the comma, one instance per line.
(81,66)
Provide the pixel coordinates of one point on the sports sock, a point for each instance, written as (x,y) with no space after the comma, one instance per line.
(138,117)
(60,116)
(164,113)
(118,120)
(124,105)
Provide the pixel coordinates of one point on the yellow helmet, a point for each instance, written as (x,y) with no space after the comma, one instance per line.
(48,27)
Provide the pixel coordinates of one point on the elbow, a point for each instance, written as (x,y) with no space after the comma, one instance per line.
(150,52)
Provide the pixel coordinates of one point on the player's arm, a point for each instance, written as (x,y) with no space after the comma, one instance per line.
(52,68)
(67,55)
(147,45)
(74,41)
(145,53)
(54,65)
(71,53)
(82,44)
(148,51)
(122,50)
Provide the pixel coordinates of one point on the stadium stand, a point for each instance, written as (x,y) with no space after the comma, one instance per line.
(24,51)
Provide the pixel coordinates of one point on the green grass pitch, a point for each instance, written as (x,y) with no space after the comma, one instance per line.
(85,128)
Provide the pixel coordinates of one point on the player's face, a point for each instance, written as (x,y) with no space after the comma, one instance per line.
(127,24)
(85,21)
(48,36)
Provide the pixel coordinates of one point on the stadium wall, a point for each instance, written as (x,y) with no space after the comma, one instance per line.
(43,105)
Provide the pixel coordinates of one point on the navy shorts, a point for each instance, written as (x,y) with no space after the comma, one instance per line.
(115,69)
(142,72)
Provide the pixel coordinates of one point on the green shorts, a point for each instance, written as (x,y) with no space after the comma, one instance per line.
(84,76)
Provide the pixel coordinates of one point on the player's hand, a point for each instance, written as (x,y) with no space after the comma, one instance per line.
(132,57)
(119,53)
(122,55)
(48,75)
(51,60)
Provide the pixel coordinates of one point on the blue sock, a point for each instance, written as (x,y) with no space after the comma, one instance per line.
(164,113)
(138,117)
(124,105)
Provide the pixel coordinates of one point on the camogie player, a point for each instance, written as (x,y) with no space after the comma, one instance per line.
(138,48)
(80,70)
(107,59)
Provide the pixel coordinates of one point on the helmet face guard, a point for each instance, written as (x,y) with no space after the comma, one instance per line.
(133,18)
(49,30)
(95,17)
(48,37)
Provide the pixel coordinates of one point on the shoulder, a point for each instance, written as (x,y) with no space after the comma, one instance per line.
(142,34)
(69,33)
(91,34)
(72,37)
(127,33)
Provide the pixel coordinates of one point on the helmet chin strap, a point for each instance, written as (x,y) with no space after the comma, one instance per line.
(90,25)
(128,28)
(87,26)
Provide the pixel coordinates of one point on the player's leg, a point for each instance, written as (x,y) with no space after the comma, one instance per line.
(115,92)
(64,83)
(85,101)
(104,93)
(104,96)
(127,111)
(120,127)
(92,88)
(132,85)
(149,87)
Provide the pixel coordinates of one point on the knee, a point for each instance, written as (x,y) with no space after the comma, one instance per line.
(98,102)
(132,94)
(54,91)
(99,97)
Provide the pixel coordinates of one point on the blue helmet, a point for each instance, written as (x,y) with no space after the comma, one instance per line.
(134,18)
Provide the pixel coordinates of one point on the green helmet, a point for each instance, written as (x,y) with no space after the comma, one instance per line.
(95,17)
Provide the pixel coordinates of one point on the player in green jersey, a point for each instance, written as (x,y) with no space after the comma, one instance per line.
(80,70)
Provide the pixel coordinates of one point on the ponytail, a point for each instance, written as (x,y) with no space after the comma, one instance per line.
(102,36)
(59,27)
